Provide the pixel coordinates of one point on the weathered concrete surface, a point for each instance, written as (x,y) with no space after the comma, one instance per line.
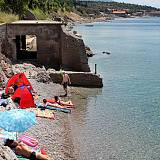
(48,41)
(56,48)
(74,54)
(84,79)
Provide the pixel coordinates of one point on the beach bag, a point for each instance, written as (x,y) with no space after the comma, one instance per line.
(4,96)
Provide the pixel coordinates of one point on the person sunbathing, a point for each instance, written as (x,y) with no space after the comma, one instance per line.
(45,104)
(23,150)
(56,102)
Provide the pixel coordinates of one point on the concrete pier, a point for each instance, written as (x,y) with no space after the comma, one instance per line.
(81,79)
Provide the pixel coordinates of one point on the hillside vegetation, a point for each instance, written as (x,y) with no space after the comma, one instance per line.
(92,7)
(46,7)
(43,9)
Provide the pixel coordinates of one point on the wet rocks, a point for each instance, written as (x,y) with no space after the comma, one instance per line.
(105,52)
(89,52)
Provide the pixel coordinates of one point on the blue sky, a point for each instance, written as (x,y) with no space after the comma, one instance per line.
(154,3)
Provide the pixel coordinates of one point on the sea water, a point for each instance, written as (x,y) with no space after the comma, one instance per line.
(121,121)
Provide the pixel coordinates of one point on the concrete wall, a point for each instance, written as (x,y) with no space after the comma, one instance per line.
(48,41)
(74,53)
(84,79)
(55,46)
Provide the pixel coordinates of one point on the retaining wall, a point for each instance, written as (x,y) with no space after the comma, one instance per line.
(83,79)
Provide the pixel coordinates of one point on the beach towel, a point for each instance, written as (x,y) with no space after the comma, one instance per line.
(43,113)
(21,158)
(2,101)
(62,104)
(28,140)
(65,110)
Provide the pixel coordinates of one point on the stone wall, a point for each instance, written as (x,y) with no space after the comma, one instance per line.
(74,53)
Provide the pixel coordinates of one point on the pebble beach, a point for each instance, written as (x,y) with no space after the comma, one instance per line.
(53,135)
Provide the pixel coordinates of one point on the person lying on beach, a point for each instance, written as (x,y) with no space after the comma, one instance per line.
(45,104)
(57,100)
(23,150)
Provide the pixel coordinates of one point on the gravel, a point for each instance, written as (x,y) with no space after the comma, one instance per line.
(53,135)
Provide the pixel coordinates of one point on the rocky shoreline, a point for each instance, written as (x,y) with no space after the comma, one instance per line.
(53,135)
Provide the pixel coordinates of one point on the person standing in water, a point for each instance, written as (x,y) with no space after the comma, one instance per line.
(65,82)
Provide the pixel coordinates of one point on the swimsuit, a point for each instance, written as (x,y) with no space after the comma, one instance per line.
(33,156)
(65,84)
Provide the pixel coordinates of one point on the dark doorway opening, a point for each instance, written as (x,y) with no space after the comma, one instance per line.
(26,47)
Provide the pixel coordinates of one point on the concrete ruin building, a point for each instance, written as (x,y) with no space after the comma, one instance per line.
(44,43)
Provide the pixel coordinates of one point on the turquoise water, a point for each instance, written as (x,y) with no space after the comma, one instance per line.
(121,121)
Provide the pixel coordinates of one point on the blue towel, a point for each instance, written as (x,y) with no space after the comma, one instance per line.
(3,101)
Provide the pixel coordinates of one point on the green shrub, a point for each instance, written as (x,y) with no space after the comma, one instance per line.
(6,17)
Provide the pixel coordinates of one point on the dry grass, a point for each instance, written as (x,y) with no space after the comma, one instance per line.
(6,18)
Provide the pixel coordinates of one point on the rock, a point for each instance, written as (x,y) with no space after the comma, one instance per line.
(89,52)
(4,58)
(51,70)
(43,76)
(6,67)
(105,52)
(6,153)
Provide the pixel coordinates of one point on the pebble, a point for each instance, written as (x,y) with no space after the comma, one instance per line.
(51,134)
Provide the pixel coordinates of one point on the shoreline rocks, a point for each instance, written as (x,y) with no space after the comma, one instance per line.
(52,135)
(89,52)
(6,153)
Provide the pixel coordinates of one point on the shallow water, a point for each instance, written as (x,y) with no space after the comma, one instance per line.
(122,120)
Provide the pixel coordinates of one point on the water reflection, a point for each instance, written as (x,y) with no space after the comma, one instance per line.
(81,98)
